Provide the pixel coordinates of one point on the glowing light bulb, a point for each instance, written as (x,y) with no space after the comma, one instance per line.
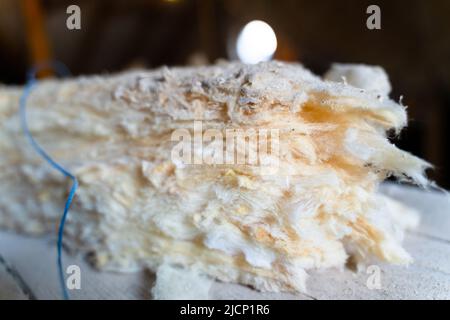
(256,42)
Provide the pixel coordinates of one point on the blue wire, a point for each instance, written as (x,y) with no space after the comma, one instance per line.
(31,82)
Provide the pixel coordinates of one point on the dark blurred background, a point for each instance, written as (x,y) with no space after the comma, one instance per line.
(413,45)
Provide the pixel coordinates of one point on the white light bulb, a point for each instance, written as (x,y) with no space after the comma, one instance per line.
(256,42)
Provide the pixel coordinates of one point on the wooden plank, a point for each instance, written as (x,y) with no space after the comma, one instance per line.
(427,278)
(35,260)
(11,287)
(434,207)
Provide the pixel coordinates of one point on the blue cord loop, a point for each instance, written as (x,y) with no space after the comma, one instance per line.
(62,70)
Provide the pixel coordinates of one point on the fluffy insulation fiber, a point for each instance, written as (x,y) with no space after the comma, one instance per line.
(138,207)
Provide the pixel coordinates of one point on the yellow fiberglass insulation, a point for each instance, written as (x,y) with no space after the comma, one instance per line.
(137,207)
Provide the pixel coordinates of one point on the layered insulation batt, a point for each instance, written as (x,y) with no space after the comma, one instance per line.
(137,207)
